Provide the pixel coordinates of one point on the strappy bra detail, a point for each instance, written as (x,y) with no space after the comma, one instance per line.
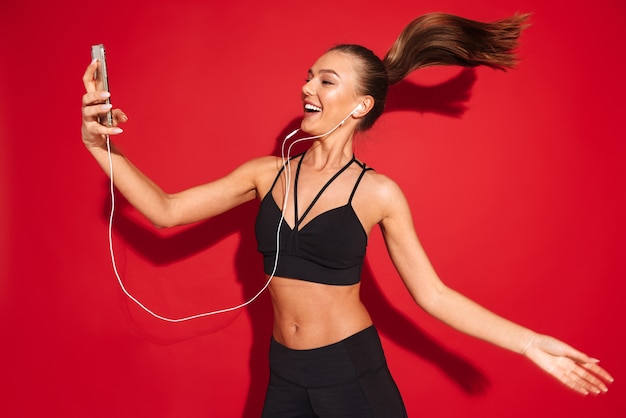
(328,249)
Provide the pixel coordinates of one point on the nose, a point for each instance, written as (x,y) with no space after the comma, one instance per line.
(307,89)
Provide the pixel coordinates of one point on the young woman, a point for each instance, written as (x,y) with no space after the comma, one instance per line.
(325,357)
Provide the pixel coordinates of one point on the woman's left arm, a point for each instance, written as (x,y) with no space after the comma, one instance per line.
(568,365)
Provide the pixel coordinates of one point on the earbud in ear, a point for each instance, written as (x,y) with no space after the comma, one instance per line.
(356,109)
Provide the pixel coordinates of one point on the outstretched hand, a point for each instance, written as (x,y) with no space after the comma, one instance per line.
(94,105)
(571,367)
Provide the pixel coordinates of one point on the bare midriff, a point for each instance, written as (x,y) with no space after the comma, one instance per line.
(311,315)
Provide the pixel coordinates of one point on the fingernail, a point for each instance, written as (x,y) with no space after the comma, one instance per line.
(106,106)
(117,130)
(105,94)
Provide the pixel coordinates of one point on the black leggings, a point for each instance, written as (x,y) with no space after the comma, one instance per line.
(348,379)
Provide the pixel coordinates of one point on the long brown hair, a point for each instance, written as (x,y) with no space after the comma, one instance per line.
(435,39)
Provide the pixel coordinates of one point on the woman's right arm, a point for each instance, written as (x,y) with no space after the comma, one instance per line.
(161,208)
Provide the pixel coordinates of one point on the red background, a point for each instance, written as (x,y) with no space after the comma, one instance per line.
(516,180)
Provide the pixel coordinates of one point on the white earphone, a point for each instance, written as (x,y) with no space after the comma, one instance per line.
(356,109)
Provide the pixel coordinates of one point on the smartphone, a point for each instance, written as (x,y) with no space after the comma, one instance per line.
(102,78)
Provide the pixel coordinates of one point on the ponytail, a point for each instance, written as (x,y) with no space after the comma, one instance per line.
(445,39)
(434,39)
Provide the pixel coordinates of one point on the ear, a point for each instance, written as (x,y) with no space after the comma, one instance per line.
(366,104)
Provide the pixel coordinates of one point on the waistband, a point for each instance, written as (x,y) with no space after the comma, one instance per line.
(343,361)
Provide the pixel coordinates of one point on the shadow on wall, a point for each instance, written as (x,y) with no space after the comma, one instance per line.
(160,250)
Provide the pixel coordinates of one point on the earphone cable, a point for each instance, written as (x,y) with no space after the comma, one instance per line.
(287,169)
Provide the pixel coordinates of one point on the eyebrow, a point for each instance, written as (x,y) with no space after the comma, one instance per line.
(322,71)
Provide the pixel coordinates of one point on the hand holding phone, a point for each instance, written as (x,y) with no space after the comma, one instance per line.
(102,79)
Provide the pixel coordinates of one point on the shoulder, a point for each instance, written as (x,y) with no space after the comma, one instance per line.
(261,172)
(393,210)
(381,198)
(382,187)
(252,174)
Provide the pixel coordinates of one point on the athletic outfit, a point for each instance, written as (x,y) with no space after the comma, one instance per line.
(346,379)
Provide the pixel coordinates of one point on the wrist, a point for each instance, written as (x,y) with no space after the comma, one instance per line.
(95,146)
(530,341)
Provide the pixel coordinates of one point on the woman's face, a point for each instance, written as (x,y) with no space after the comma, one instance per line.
(329,94)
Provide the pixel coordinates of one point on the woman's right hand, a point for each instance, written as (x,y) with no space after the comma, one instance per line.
(94,105)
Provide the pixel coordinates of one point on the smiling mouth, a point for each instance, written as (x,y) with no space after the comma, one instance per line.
(309,108)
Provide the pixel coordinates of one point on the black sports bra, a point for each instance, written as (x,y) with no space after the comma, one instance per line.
(329,249)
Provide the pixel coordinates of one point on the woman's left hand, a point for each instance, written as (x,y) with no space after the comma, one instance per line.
(571,367)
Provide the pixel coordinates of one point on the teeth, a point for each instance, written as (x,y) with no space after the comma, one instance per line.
(311,108)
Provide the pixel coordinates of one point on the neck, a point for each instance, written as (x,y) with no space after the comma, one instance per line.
(332,148)
(327,154)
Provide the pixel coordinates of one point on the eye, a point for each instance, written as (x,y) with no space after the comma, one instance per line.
(327,82)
